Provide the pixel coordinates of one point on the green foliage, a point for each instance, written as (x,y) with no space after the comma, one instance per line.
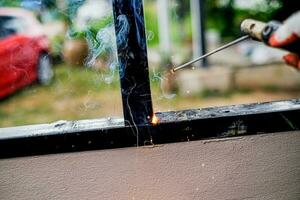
(221,15)
(151,23)
(226,17)
(92,28)
(221,18)
(65,98)
(83,78)
(9,3)
(56,45)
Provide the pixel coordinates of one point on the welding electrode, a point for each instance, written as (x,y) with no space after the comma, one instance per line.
(212,52)
(254,29)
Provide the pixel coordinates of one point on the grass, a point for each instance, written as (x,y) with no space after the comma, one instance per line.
(82,93)
(75,93)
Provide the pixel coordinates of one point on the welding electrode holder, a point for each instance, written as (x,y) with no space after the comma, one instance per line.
(261,31)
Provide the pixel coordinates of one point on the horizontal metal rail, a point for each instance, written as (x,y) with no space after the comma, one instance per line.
(176,126)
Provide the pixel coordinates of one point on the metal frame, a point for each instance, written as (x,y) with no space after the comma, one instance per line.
(177,126)
(133,62)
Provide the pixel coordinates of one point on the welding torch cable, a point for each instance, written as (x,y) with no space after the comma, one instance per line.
(210,53)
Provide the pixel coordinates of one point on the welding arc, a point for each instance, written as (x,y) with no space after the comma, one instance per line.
(210,53)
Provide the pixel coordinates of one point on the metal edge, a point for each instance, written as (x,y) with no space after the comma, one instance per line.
(176,126)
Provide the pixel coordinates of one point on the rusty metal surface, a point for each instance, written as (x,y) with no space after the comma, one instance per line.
(176,126)
(229,111)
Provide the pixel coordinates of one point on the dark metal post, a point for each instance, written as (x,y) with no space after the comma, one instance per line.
(199,47)
(133,63)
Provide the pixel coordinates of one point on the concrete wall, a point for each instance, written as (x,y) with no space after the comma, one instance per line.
(222,78)
(251,167)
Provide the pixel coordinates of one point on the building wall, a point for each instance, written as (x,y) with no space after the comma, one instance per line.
(250,167)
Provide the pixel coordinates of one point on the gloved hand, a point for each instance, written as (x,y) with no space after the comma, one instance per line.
(288,33)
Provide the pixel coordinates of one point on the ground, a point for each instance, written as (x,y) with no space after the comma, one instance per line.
(82,93)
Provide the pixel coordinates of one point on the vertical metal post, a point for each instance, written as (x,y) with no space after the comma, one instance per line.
(133,63)
(199,47)
(163,28)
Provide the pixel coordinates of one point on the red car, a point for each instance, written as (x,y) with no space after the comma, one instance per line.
(24,56)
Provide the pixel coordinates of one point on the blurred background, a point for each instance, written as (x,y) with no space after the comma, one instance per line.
(58,58)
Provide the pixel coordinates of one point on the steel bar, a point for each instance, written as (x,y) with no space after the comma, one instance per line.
(176,126)
(212,52)
(133,63)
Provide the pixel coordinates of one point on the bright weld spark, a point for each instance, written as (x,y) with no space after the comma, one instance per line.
(154,120)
